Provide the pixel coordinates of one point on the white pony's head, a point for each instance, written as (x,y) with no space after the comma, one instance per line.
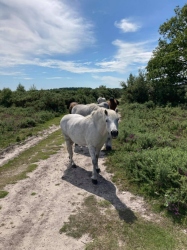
(109,118)
(112,118)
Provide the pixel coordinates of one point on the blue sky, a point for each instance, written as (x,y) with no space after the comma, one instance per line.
(78,43)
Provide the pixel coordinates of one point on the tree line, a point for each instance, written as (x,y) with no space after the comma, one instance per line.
(55,100)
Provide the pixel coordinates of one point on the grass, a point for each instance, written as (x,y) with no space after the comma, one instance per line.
(3,193)
(108,231)
(33,193)
(26,162)
(18,168)
(14,137)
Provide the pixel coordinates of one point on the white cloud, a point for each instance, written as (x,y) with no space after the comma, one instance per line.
(54,78)
(34,32)
(126,26)
(10,73)
(128,54)
(28,78)
(133,52)
(44,27)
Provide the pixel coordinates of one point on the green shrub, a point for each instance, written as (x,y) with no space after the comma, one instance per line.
(161,172)
(150,104)
(27,122)
(151,154)
(3,193)
(44,116)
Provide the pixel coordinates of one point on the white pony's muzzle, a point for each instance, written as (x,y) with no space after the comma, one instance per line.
(114,134)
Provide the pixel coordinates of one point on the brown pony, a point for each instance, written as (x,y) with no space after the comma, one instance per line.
(72,104)
(113,103)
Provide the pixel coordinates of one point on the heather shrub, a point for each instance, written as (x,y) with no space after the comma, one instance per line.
(150,154)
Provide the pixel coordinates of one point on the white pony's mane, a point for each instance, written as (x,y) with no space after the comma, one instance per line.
(98,114)
(101,112)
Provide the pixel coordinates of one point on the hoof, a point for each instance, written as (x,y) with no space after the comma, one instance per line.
(74,166)
(98,170)
(108,148)
(94,181)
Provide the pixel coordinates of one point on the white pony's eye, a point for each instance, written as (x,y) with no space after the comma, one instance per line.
(106,120)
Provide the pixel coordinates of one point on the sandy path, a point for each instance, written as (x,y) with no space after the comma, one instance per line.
(32,222)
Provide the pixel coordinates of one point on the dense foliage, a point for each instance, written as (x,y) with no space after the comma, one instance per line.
(136,88)
(167,69)
(151,154)
(56,100)
(166,72)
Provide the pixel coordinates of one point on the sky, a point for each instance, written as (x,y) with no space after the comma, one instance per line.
(49,44)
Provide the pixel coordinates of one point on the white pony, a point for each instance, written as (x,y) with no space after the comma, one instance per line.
(104,105)
(101,99)
(91,131)
(84,109)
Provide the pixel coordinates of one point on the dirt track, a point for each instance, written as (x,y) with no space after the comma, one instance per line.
(36,208)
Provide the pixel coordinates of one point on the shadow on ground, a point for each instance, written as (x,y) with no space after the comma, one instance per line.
(81,178)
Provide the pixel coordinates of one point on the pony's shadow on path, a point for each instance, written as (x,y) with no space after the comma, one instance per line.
(81,178)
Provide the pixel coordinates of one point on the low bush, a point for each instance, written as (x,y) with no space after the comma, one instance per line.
(27,122)
(151,154)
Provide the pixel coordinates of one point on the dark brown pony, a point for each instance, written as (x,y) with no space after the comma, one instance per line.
(113,103)
(72,104)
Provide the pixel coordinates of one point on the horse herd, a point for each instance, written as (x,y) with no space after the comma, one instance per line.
(101,102)
(91,125)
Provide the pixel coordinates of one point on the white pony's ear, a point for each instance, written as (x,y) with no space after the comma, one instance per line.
(106,113)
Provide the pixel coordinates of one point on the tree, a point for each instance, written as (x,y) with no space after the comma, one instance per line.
(20,88)
(6,97)
(136,88)
(32,88)
(167,69)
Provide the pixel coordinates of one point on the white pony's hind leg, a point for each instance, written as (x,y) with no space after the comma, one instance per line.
(69,144)
(94,156)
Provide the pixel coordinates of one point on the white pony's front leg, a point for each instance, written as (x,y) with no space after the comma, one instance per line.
(108,143)
(94,156)
(69,144)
